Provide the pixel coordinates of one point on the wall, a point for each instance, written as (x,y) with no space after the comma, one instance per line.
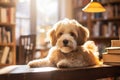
(65,8)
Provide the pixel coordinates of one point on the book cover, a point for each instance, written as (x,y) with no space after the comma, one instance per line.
(111,58)
(112,63)
(5,55)
(113,50)
(115,43)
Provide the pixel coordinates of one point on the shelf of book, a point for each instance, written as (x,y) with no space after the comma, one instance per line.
(7,33)
(104,38)
(107,20)
(110,1)
(7,4)
(7,24)
(104,26)
(6,44)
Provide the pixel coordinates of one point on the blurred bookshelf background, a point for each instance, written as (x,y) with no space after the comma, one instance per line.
(28,17)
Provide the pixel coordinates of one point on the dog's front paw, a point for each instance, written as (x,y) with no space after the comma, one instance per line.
(40,63)
(63,64)
(33,64)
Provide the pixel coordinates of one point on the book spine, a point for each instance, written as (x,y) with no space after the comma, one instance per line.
(5,55)
(96,29)
(9,34)
(115,43)
(5,35)
(6,15)
(111,58)
(3,15)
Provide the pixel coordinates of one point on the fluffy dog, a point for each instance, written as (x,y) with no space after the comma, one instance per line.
(70,47)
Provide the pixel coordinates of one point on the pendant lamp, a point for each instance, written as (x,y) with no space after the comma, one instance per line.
(93,7)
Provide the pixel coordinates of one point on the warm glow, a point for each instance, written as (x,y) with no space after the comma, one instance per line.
(94,7)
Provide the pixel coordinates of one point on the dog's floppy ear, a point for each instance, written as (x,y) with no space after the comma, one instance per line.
(83,34)
(52,37)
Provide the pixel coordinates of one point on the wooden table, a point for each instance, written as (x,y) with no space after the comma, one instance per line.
(23,72)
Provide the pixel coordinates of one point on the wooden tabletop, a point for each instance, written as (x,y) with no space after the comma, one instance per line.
(23,72)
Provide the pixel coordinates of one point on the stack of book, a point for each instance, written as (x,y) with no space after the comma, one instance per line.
(112,56)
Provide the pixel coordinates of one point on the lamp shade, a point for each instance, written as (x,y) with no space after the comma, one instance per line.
(94,7)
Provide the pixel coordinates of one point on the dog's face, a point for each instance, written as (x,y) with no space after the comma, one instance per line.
(67,35)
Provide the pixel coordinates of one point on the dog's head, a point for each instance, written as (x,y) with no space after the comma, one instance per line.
(67,35)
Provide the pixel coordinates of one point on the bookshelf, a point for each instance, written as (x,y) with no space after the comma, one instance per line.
(103,27)
(7,33)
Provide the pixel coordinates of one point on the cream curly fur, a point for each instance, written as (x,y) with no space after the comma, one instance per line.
(70,47)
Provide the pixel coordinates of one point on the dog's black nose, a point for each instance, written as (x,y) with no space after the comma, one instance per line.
(65,42)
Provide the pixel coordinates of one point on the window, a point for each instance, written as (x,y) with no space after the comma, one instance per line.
(47,15)
(22,18)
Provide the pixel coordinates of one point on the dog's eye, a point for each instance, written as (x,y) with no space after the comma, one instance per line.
(60,33)
(72,34)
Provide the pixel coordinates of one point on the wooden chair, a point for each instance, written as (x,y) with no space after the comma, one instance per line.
(27,44)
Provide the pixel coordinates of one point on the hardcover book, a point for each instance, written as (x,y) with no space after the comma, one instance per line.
(113,50)
(5,55)
(111,58)
(115,43)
